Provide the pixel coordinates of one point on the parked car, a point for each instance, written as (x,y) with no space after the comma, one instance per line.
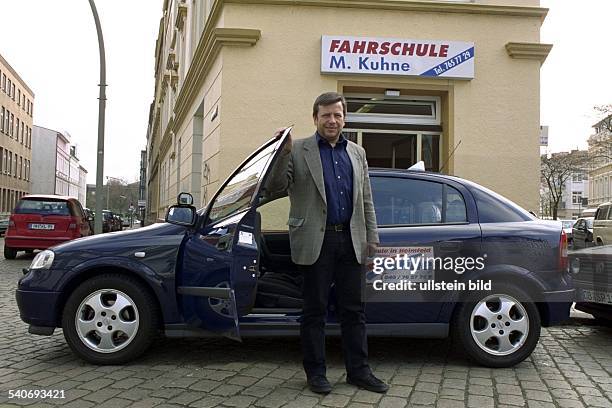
(593,268)
(602,225)
(582,233)
(109,223)
(90,218)
(118,222)
(567,227)
(4,222)
(226,270)
(41,221)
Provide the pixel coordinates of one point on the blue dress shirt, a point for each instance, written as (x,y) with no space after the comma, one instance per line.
(338,179)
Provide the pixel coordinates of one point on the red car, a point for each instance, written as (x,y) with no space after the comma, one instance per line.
(41,221)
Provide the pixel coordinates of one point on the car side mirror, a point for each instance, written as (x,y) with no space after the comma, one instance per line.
(181,215)
(184,199)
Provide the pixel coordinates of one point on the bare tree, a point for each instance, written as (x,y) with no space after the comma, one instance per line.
(555,171)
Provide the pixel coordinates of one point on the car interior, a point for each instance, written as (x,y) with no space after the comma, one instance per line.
(279,285)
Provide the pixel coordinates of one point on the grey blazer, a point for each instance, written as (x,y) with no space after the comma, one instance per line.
(300,174)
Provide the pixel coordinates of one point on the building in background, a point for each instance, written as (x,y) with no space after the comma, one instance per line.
(575,198)
(55,165)
(16,112)
(229,73)
(600,149)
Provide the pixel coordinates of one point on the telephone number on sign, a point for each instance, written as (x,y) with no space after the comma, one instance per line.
(35,394)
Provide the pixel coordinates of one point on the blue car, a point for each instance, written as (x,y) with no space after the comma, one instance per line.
(226,270)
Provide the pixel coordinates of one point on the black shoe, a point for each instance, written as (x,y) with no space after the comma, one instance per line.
(369,382)
(319,384)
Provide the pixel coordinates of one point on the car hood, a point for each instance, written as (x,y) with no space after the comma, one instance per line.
(111,242)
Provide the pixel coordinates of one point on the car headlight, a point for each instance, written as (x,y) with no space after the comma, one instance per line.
(575,266)
(43,260)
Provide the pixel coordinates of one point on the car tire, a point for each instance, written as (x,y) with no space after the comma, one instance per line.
(476,328)
(90,313)
(10,253)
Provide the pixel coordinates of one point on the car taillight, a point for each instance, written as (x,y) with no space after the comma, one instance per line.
(563,260)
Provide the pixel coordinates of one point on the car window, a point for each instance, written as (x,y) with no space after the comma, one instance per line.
(42,207)
(455,206)
(567,224)
(399,201)
(238,192)
(589,223)
(602,213)
(578,224)
(493,207)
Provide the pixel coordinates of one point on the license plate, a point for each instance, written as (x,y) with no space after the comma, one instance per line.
(46,227)
(587,295)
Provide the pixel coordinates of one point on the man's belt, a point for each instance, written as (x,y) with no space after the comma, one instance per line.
(337,227)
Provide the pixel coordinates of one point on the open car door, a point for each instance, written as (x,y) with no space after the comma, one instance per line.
(217,273)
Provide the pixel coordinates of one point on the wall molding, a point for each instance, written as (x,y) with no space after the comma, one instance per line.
(533,51)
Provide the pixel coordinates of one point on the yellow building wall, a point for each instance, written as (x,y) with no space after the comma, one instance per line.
(495,115)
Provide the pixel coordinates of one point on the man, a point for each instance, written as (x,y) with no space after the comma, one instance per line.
(332,230)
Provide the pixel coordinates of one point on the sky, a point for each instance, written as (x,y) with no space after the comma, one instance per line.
(57,56)
(576,75)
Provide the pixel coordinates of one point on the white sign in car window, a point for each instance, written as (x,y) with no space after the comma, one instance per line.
(392,56)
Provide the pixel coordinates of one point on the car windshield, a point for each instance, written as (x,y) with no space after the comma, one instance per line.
(42,206)
(567,224)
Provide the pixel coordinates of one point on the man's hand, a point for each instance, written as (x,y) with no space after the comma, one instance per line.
(288,143)
(372,248)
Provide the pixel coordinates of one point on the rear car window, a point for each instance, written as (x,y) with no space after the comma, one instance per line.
(42,207)
(493,207)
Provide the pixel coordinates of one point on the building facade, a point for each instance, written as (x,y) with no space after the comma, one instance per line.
(575,198)
(56,168)
(16,115)
(455,84)
(600,151)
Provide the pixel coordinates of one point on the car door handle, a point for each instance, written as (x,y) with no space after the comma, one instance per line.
(450,245)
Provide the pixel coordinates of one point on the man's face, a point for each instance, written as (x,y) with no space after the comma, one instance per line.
(330,121)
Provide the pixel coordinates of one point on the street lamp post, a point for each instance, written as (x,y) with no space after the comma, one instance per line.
(101,112)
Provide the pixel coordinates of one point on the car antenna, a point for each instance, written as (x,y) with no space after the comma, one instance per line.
(449,156)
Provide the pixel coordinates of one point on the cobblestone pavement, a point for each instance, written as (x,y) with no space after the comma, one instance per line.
(571,367)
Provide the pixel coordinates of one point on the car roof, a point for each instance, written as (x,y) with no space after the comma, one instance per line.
(48,196)
(403,172)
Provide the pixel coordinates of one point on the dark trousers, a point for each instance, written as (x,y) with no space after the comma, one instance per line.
(336,264)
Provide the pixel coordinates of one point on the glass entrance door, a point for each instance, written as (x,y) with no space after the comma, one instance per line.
(398,149)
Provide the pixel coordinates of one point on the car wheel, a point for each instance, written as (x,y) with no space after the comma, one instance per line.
(110,319)
(498,330)
(10,253)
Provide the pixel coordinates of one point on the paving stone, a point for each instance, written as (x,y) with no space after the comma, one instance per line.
(335,400)
(422,398)
(479,401)
(368,397)
(392,402)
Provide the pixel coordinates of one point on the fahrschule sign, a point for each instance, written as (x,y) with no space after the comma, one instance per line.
(391,56)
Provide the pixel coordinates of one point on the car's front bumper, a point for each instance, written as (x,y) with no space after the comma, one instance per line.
(38,308)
